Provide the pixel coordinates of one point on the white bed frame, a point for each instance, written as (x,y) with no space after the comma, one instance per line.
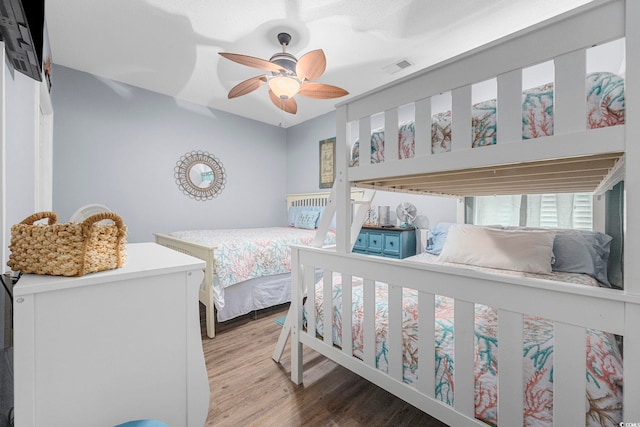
(572,307)
(206,253)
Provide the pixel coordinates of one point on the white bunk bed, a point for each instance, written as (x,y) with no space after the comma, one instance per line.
(248,295)
(573,309)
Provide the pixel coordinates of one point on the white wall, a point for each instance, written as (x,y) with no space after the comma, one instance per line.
(118,145)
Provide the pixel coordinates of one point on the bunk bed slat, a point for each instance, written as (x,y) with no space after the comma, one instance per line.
(570,93)
(309,287)
(422,123)
(461,118)
(463,326)
(569,361)
(632,369)
(364,138)
(510,387)
(576,174)
(395,332)
(296,327)
(426,343)
(391,141)
(327,321)
(347,315)
(509,107)
(369,320)
(632,178)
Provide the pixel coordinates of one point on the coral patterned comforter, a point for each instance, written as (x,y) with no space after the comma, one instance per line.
(605,107)
(247,253)
(604,360)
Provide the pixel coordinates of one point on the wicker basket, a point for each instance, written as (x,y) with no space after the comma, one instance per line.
(70,249)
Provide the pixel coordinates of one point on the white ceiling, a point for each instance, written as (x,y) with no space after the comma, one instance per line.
(171,46)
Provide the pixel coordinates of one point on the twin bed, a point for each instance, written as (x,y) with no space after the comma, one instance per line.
(249,269)
(489,336)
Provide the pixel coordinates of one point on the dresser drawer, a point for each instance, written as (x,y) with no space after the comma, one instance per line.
(361,242)
(375,242)
(391,244)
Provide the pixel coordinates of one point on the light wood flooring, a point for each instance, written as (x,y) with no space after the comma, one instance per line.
(249,389)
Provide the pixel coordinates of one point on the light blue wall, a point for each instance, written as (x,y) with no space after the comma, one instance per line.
(303,152)
(118,145)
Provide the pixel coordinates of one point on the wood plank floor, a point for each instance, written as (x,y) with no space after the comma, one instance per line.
(249,389)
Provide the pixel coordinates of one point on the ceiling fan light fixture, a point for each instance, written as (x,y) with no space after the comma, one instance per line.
(287,76)
(284,87)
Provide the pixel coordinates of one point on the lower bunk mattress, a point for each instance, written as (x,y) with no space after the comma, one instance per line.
(604,359)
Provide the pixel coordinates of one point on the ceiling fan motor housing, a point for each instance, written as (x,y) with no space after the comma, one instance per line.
(285,60)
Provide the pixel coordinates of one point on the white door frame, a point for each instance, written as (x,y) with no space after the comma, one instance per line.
(44,149)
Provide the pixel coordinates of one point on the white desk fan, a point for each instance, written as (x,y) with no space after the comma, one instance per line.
(86,211)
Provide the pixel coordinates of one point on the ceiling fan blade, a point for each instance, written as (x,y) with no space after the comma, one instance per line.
(311,65)
(247,86)
(321,91)
(289,105)
(251,61)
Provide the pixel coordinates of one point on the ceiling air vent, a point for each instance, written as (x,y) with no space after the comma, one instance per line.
(398,66)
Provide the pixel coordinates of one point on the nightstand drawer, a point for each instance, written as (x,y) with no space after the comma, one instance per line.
(392,244)
(375,242)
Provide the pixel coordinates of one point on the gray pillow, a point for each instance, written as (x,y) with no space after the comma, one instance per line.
(581,251)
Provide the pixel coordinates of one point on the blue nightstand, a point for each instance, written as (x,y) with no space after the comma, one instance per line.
(390,242)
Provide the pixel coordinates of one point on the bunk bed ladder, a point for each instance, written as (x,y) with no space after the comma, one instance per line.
(359,215)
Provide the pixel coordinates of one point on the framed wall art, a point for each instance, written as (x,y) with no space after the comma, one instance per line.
(327,162)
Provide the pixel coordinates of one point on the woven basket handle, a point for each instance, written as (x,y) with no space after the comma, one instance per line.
(117,219)
(87,225)
(53,218)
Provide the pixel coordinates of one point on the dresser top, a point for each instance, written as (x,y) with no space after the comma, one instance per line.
(394,228)
(143,260)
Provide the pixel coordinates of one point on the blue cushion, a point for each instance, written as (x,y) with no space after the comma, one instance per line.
(307,218)
(293,214)
(143,423)
(437,237)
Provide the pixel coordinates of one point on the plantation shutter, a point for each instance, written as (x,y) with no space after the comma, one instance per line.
(583,211)
(567,210)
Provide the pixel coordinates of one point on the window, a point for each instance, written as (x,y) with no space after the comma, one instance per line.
(570,210)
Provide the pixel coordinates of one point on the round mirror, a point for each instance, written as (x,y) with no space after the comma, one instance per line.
(200,175)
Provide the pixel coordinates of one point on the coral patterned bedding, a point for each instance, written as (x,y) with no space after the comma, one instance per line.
(604,360)
(248,253)
(605,107)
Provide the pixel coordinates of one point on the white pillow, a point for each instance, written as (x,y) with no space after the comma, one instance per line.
(528,251)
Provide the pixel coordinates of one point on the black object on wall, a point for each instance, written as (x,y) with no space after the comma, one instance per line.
(22,29)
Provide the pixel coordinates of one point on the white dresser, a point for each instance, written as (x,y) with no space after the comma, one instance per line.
(113,346)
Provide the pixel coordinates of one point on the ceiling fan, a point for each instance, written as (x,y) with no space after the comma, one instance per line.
(287,76)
